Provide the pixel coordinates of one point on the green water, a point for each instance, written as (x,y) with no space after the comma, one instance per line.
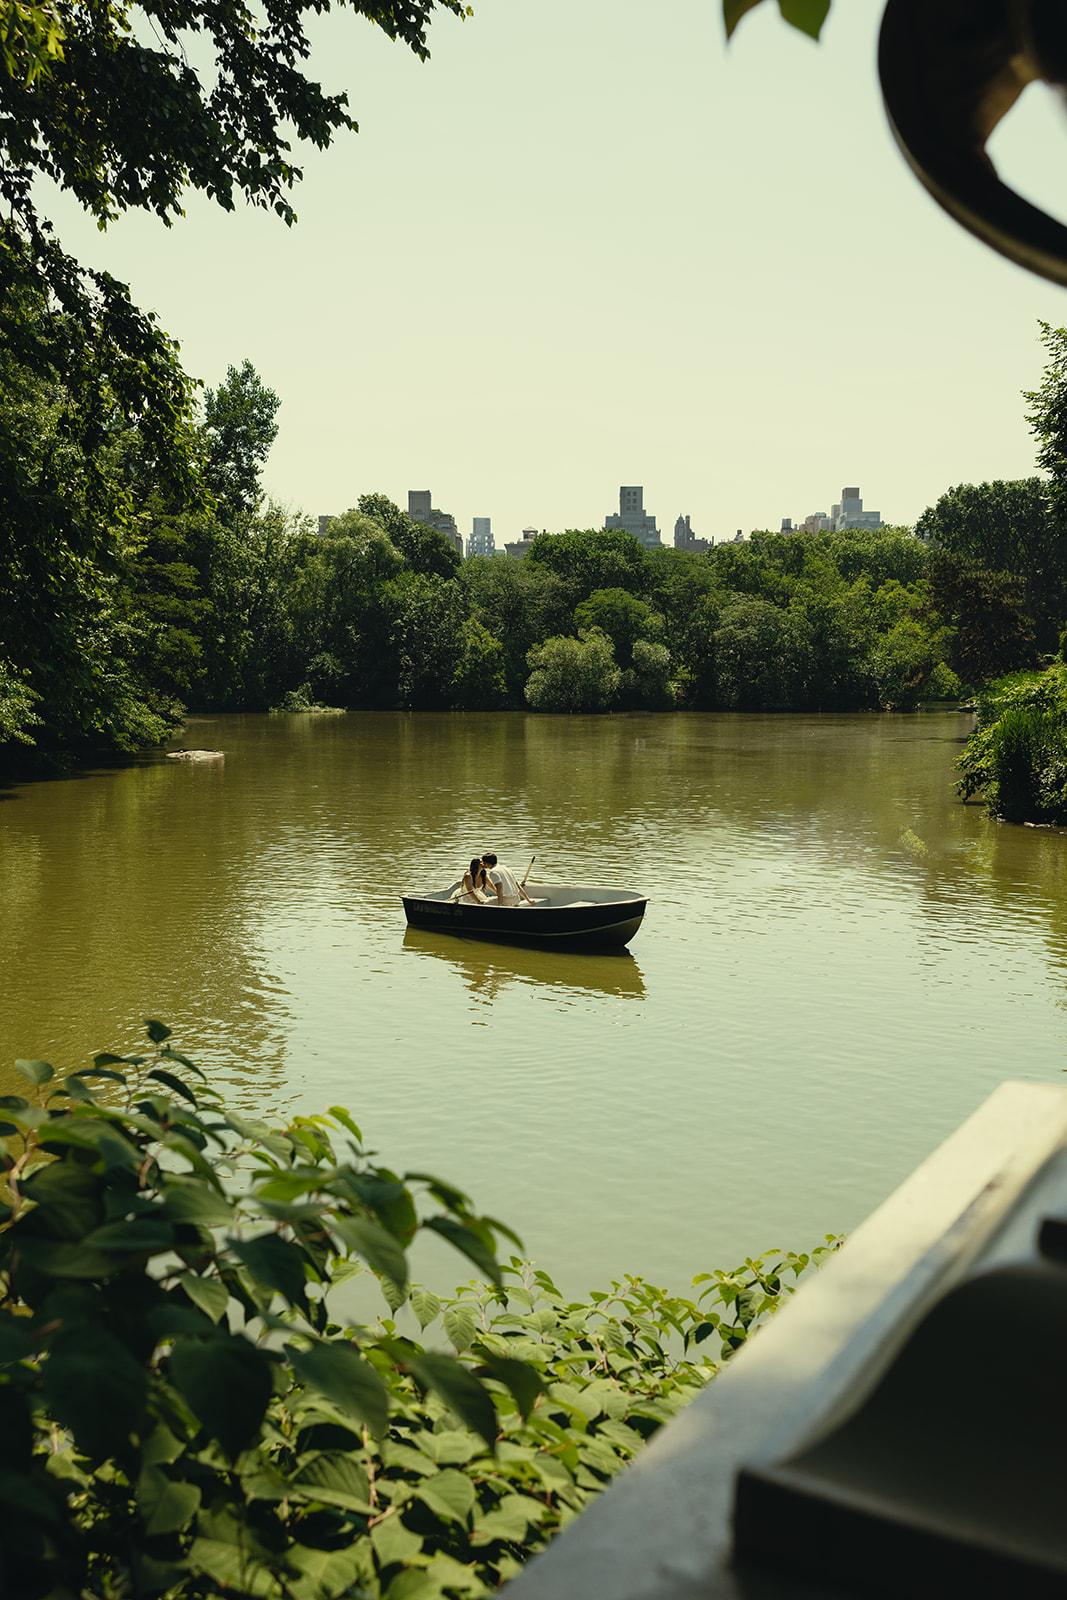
(838,963)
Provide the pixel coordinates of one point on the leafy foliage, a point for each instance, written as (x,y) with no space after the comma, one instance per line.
(1011,532)
(1016,758)
(128,106)
(182,1414)
(573,674)
(807,15)
(239,429)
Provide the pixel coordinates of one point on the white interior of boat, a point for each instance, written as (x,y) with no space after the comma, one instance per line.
(549,894)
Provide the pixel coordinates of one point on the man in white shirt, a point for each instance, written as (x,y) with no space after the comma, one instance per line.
(503,881)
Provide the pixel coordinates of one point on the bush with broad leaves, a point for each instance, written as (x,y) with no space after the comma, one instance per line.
(184,1418)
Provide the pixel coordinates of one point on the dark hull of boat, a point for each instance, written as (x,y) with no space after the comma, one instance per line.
(613,923)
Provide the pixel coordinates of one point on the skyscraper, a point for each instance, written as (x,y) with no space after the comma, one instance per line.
(632,518)
(480,542)
(422,509)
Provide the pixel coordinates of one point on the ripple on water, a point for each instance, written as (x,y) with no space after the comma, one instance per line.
(838,963)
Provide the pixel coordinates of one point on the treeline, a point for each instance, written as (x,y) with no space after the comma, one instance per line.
(131,592)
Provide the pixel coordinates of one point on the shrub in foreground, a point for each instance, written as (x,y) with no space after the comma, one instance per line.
(184,1415)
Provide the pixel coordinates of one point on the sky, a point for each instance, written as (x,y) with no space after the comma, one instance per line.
(588,244)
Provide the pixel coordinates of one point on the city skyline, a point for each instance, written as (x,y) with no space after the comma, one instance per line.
(730,292)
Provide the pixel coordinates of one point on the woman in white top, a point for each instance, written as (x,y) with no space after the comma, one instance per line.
(470,893)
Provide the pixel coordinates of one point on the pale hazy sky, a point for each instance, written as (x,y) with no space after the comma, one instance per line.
(589,244)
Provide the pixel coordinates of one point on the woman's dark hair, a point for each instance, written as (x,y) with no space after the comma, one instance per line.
(476,867)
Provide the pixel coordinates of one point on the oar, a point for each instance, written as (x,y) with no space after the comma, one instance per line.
(526,874)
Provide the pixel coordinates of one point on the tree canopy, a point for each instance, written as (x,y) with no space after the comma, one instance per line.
(239,429)
(127,107)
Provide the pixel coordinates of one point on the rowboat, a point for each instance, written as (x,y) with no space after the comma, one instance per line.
(564,914)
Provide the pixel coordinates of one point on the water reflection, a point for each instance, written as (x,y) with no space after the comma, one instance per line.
(839,962)
(488,970)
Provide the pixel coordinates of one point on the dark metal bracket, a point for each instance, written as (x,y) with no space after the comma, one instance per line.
(950,70)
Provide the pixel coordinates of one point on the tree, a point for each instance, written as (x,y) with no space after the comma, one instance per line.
(1016,528)
(73,644)
(479,682)
(993,633)
(520,604)
(758,658)
(622,617)
(573,674)
(1047,415)
(594,559)
(106,103)
(424,549)
(427,639)
(647,683)
(239,429)
(336,602)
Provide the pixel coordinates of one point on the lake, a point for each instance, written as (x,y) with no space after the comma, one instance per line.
(838,963)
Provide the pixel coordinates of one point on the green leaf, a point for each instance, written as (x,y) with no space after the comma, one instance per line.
(449,1447)
(145,1236)
(166,1506)
(226,1382)
(807,15)
(95,1388)
(168,1054)
(246,1129)
(68,1196)
(275,1263)
(378,1248)
(414,1584)
(733,11)
(189,1201)
(508,1520)
(157,1031)
(524,1381)
(66,1259)
(77,1089)
(446,1193)
(425,1305)
(21,1112)
(175,1085)
(461,1324)
(383,1193)
(161,1448)
(15,1341)
(469,1243)
(341,1115)
(461,1391)
(502,1227)
(393,1542)
(328,1574)
(210,1295)
(234,1568)
(450,1494)
(334,1477)
(37,1071)
(346,1379)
